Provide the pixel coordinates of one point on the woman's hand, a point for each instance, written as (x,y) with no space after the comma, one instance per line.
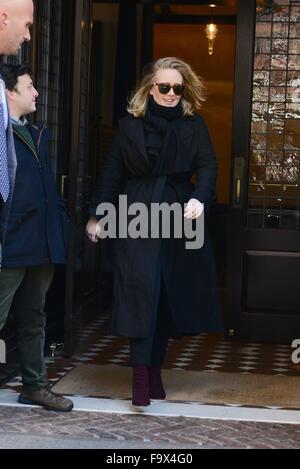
(93,229)
(193,209)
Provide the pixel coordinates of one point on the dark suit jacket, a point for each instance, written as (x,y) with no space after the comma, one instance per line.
(12,168)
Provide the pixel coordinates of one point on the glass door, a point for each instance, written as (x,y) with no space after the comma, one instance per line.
(264,238)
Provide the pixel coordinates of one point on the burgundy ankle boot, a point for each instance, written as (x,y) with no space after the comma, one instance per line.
(156,388)
(140,386)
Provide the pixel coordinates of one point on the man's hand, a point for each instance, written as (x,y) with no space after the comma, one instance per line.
(193,209)
(93,229)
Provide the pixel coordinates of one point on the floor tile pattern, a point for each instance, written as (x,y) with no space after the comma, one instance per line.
(208,352)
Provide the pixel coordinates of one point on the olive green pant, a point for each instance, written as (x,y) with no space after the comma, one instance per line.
(27,288)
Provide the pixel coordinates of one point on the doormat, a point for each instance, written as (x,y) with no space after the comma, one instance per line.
(203,387)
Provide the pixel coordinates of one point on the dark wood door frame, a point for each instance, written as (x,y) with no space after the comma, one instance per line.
(73,173)
(245,37)
(81,283)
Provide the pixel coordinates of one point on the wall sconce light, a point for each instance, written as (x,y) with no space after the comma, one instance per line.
(211,33)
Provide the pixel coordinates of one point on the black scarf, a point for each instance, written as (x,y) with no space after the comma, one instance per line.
(159,130)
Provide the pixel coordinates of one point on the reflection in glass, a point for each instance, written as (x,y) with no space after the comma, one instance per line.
(273,191)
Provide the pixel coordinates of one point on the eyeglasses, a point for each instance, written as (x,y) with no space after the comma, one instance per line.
(165,88)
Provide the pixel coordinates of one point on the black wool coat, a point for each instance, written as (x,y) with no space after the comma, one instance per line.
(189,275)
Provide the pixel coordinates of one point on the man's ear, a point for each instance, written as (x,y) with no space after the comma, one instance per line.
(10,95)
(3,20)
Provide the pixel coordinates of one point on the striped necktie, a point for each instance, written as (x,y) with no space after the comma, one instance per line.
(4,177)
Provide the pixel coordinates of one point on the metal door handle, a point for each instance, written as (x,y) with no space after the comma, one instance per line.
(239,164)
(63,184)
(238,183)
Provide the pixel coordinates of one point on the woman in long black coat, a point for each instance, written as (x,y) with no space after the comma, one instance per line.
(161,288)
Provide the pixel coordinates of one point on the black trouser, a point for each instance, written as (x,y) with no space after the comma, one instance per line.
(151,350)
(27,287)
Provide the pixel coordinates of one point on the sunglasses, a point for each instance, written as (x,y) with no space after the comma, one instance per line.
(165,88)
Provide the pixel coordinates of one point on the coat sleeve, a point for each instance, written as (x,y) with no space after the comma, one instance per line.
(111,180)
(205,167)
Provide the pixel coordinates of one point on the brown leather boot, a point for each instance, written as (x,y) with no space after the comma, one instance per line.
(140,386)
(47,399)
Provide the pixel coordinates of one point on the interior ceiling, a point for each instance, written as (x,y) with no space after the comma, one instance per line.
(223,7)
(196,2)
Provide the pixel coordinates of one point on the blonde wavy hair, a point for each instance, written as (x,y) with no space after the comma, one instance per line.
(194,89)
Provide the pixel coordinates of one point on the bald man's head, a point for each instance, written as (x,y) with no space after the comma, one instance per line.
(16,18)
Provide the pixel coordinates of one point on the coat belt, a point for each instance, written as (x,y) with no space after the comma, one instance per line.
(161,181)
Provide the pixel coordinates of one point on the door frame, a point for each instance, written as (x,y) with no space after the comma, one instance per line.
(73,306)
(241,128)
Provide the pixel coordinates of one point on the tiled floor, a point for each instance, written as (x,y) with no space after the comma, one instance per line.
(186,424)
(208,352)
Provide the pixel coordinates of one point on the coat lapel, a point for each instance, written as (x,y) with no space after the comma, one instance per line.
(187,131)
(35,133)
(135,132)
